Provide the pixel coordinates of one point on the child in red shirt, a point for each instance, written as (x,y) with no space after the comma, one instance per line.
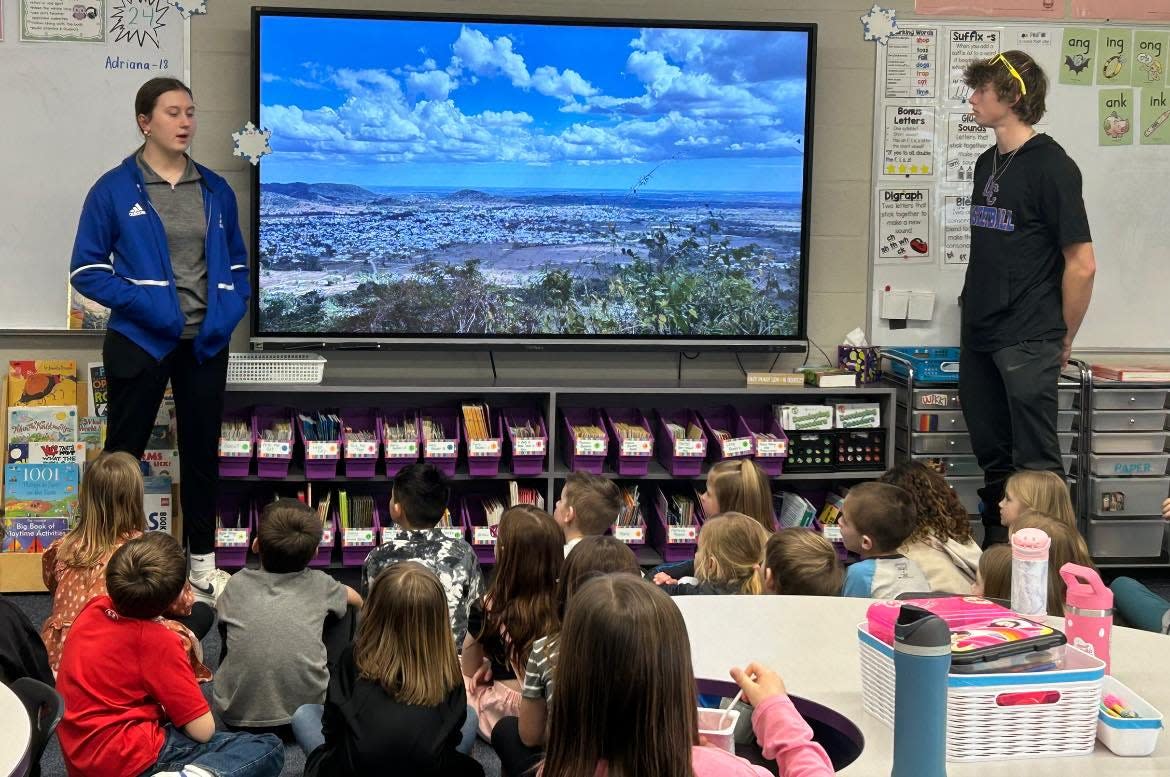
(131,702)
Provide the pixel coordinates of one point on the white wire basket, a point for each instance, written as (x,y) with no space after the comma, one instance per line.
(984,722)
(275,368)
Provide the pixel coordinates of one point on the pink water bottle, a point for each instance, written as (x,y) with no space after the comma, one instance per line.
(1088,611)
(1030,572)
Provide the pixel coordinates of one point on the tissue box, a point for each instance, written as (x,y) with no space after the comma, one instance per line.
(863,361)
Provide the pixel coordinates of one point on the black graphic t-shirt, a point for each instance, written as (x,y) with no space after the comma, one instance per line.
(1020,222)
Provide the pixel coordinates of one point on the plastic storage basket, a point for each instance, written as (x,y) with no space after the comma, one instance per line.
(482,537)
(992,717)
(527,452)
(682,458)
(272,456)
(275,368)
(588,454)
(631,458)
(233,533)
(361,456)
(931,365)
(1129,736)
(400,453)
(328,540)
(235,456)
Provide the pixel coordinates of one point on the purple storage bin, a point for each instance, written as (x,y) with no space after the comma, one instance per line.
(483,456)
(235,456)
(481,536)
(770,454)
(727,419)
(360,456)
(328,540)
(584,455)
(321,456)
(400,453)
(445,452)
(682,458)
(272,457)
(630,457)
(356,544)
(671,547)
(527,452)
(234,539)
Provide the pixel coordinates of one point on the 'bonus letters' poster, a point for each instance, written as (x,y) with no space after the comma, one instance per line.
(908,140)
(903,226)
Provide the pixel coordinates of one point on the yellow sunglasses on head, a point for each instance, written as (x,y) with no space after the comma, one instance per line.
(1012,70)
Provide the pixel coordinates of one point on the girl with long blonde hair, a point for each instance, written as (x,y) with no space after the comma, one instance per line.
(110,512)
(395,698)
(1041,490)
(729,558)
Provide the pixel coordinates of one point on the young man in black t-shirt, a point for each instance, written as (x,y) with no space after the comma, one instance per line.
(1028,282)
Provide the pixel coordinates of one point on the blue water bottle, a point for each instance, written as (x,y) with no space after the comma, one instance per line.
(922,660)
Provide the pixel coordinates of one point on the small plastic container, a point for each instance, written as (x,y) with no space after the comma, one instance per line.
(681,458)
(360,457)
(811,451)
(742,443)
(860,449)
(718,727)
(1150,464)
(1137,399)
(1126,538)
(400,453)
(1128,442)
(482,536)
(1128,497)
(235,456)
(1129,420)
(321,456)
(770,452)
(584,455)
(631,458)
(356,544)
(528,453)
(234,538)
(1128,736)
(328,540)
(272,456)
(443,453)
(483,455)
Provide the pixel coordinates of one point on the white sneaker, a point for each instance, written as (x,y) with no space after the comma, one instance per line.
(209,585)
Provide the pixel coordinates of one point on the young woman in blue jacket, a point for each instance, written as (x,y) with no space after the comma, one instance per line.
(159,244)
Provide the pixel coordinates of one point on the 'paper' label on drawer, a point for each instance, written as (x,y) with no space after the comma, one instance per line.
(736,446)
(316,449)
(361,449)
(357,537)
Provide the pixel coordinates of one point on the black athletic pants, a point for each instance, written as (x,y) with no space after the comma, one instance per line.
(1009,402)
(136,381)
(516,758)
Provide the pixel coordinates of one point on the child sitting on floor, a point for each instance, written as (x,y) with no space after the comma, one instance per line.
(588,506)
(875,521)
(800,562)
(728,558)
(1040,490)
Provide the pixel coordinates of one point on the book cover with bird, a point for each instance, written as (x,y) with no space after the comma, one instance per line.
(38,382)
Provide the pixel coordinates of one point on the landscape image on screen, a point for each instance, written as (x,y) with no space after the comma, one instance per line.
(474,178)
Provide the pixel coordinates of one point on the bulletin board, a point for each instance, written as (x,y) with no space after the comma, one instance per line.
(1108,106)
(70,72)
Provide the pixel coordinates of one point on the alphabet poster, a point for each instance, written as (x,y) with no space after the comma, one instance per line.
(903,226)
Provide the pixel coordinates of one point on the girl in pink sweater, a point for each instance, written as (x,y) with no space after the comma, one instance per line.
(625,702)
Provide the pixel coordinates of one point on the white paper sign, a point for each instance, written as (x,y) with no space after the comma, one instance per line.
(401,448)
(235,447)
(275,449)
(483,447)
(317,449)
(690,448)
(482,535)
(832,533)
(454,532)
(231,538)
(361,449)
(629,534)
(737,446)
(528,446)
(765,447)
(908,140)
(967,46)
(440,448)
(326,536)
(903,226)
(957,230)
(680,534)
(912,63)
(357,537)
(637,448)
(589,447)
(966,140)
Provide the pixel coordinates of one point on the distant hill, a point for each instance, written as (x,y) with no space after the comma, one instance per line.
(471,195)
(325,193)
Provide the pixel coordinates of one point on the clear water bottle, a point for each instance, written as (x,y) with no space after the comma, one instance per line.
(1030,572)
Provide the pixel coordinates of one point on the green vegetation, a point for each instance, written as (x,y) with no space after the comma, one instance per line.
(680,281)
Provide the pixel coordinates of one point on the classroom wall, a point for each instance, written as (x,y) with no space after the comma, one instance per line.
(842,141)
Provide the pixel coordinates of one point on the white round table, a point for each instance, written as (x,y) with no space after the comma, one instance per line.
(812,643)
(17,732)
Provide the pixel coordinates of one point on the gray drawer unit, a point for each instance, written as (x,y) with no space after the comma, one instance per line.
(934,420)
(1129,420)
(951,466)
(1066,441)
(1128,442)
(1148,464)
(936,399)
(1066,420)
(1124,538)
(941,443)
(1066,398)
(1128,496)
(967,489)
(1132,399)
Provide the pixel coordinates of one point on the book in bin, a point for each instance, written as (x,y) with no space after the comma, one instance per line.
(1132,374)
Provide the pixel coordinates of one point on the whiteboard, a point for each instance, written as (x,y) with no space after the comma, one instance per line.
(68,116)
(1125,191)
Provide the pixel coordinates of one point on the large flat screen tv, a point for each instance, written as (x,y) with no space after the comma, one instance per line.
(529,182)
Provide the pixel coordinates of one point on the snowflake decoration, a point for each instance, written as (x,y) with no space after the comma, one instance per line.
(879,24)
(252,143)
(189,8)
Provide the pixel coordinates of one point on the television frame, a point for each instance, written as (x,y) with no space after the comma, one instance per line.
(796,343)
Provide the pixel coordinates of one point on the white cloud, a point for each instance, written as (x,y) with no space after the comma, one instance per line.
(267,78)
(433,84)
(485,57)
(564,85)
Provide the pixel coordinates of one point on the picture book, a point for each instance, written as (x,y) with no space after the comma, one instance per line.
(46,453)
(40,490)
(830,516)
(54,423)
(162,463)
(32,535)
(794,510)
(91,430)
(38,382)
(1132,373)
(98,389)
(84,313)
(162,434)
(157,502)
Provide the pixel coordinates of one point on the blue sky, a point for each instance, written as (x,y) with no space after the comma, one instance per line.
(424,103)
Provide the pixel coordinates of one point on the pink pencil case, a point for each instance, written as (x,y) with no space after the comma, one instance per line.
(955,610)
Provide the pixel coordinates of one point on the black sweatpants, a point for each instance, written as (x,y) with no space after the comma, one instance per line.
(516,758)
(136,381)
(1009,400)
